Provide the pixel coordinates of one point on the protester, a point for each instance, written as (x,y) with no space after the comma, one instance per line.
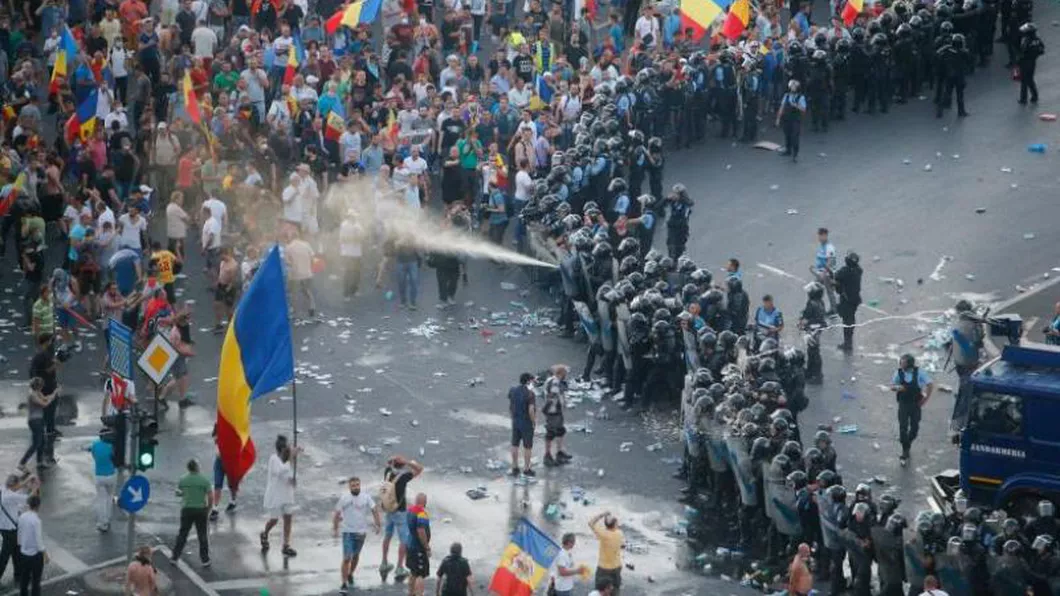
(102,450)
(419,547)
(14,498)
(279,494)
(195,504)
(609,561)
(352,511)
(32,552)
(36,405)
(141,577)
(392,500)
(524,416)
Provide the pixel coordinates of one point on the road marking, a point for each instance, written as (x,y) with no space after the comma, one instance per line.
(70,575)
(936,274)
(249,583)
(190,573)
(63,558)
(782,273)
(1010,302)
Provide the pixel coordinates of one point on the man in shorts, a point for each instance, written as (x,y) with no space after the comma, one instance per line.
(352,511)
(419,549)
(219,479)
(226,291)
(524,412)
(398,473)
(555,404)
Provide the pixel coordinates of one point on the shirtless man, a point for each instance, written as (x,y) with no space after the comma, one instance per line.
(226,292)
(140,575)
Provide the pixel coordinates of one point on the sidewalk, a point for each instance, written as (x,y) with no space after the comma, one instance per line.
(107,579)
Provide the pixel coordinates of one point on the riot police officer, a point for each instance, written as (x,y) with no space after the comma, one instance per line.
(811,322)
(905,59)
(1031,48)
(677,226)
(656,161)
(724,80)
(859,67)
(887,547)
(752,85)
(848,287)
(792,109)
(819,90)
(881,67)
(955,62)
(841,77)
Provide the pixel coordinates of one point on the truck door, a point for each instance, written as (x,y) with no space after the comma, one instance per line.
(1043,435)
(994,445)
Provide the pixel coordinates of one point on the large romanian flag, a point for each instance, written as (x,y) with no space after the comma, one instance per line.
(525,562)
(83,121)
(64,59)
(256,358)
(851,11)
(357,13)
(699,15)
(737,19)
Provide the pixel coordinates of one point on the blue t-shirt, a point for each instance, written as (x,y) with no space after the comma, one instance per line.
(907,375)
(497,200)
(772,319)
(125,274)
(622,204)
(519,400)
(102,455)
(77,234)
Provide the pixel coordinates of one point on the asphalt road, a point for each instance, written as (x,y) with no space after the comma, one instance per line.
(906,222)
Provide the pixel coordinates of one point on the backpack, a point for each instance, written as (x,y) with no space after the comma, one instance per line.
(388,497)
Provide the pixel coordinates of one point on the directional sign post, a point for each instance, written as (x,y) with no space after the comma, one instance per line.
(120,350)
(134,494)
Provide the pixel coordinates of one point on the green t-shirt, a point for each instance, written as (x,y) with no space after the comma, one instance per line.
(193,491)
(226,81)
(34,228)
(468,157)
(44,312)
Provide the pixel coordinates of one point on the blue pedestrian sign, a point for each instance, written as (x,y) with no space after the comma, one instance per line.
(120,348)
(134,494)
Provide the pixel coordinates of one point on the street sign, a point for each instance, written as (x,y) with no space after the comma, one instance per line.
(134,494)
(121,348)
(157,359)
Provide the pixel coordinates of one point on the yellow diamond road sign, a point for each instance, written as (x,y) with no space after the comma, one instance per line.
(157,358)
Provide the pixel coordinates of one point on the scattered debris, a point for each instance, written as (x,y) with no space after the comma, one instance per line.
(1028,236)
(1006,170)
(1036,148)
(508,286)
(793,211)
(385,412)
(927,167)
(980,210)
(1047,117)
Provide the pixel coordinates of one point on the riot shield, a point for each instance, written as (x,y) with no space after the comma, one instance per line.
(690,344)
(607,329)
(829,524)
(740,461)
(888,550)
(785,509)
(567,275)
(1009,578)
(622,315)
(951,573)
(717,450)
(916,563)
(589,324)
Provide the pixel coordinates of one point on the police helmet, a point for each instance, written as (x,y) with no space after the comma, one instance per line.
(822,439)
(618,185)
(666,263)
(1012,547)
(653,255)
(813,457)
(796,357)
(779,427)
(946,28)
(708,341)
(1028,28)
(701,277)
(629,247)
(685,264)
(735,285)
(604,293)
(843,45)
(655,143)
(852,258)
(726,339)
(1046,508)
(1043,543)
(969,532)
(637,279)
(879,39)
(660,314)
(815,290)
(958,41)
(826,479)
(895,523)
(797,480)
(888,503)
(837,493)
(628,265)
(973,515)
(767,365)
(1010,527)
(858,34)
(938,522)
(716,390)
(602,251)
(768,346)
(916,22)
(703,378)
(636,136)
(651,268)
(689,293)
(771,388)
(795,49)
(904,30)
(759,447)
(661,327)
(582,242)
(792,450)
(781,464)
(863,492)
(820,55)
(875,29)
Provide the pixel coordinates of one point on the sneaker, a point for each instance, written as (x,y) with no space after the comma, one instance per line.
(231,507)
(214,515)
(401,573)
(563,457)
(184,403)
(206,564)
(386,567)
(549,461)
(514,473)
(529,472)
(289,552)
(344,589)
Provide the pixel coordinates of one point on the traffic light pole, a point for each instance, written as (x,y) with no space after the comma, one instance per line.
(134,459)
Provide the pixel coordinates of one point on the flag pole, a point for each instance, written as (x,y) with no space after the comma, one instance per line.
(294,423)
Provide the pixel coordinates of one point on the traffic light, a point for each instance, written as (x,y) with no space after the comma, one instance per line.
(146,443)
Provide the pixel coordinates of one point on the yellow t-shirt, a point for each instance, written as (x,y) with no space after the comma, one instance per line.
(610,556)
(164,261)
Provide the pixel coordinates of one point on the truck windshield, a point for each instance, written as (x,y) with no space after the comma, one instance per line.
(997,413)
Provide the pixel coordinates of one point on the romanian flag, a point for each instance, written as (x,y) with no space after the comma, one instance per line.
(83,121)
(10,193)
(525,562)
(64,59)
(851,11)
(737,19)
(255,6)
(335,127)
(295,56)
(191,103)
(358,13)
(699,15)
(256,358)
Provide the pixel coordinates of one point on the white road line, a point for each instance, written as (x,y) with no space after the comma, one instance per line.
(874,309)
(1010,302)
(782,273)
(249,583)
(191,573)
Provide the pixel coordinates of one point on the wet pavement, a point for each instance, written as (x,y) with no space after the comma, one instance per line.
(376,380)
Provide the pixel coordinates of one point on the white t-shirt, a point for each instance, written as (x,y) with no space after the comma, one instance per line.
(351,237)
(292,204)
(176,221)
(416,165)
(204,40)
(105,216)
(647,26)
(564,559)
(14,503)
(211,233)
(217,208)
(355,511)
(130,231)
(72,214)
(524,185)
(278,489)
(933,593)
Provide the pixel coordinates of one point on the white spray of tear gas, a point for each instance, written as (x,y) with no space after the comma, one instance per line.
(389,216)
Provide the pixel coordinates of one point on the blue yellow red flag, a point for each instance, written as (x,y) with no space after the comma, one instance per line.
(525,562)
